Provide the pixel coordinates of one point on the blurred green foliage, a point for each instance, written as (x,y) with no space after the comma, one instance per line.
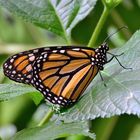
(19,35)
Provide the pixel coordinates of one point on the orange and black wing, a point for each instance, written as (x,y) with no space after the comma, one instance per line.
(63,74)
(19,66)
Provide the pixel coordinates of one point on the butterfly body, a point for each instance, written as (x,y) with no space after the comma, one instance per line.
(61,74)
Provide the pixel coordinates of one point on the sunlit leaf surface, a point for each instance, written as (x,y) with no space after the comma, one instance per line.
(122,94)
(58,16)
(52,131)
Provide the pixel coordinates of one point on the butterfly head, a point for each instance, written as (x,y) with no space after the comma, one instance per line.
(100,55)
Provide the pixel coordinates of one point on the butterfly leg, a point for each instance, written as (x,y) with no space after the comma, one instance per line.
(115,56)
(102,79)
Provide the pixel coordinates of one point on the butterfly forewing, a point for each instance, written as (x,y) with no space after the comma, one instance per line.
(19,66)
(63,74)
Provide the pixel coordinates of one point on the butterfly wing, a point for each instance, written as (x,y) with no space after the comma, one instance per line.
(19,66)
(62,75)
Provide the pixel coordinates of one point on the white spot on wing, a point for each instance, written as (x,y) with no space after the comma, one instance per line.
(45,55)
(35,51)
(53,101)
(11,60)
(54,51)
(59,101)
(49,95)
(37,83)
(61,97)
(39,89)
(19,75)
(32,58)
(41,86)
(31,54)
(40,57)
(47,90)
(44,92)
(92,63)
(76,49)
(29,76)
(29,68)
(59,47)
(48,98)
(14,56)
(62,51)
(45,49)
(38,65)
(10,67)
(14,72)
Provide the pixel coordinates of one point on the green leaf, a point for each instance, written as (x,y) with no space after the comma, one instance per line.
(1,75)
(122,94)
(135,135)
(52,131)
(7,131)
(8,91)
(36,97)
(56,16)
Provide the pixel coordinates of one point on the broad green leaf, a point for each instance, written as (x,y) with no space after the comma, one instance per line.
(8,91)
(1,75)
(135,135)
(52,131)
(122,94)
(39,114)
(7,131)
(58,16)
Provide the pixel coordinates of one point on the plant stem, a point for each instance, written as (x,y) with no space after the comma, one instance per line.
(47,117)
(99,27)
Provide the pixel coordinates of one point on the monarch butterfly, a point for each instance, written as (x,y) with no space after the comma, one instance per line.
(60,73)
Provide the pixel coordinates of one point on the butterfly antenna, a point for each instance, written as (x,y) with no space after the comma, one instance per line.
(123,27)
